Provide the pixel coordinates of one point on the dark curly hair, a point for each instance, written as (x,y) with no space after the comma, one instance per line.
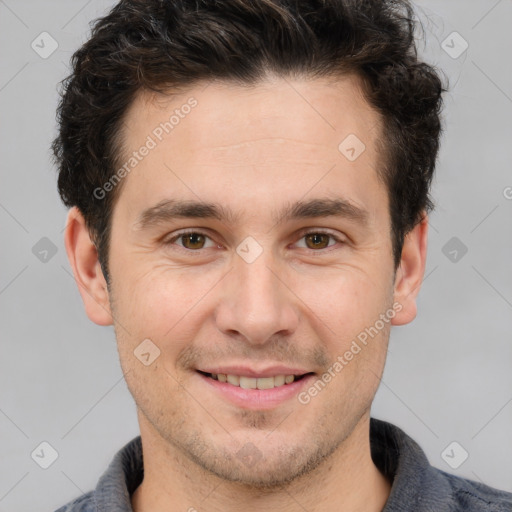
(160,44)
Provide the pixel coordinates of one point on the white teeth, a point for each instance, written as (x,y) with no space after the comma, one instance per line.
(279,380)
(248,383)
(253,382)
(233,379)
(266,383)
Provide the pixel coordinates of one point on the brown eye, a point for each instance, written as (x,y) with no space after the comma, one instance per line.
(320,241)
(193,240)
(317,240)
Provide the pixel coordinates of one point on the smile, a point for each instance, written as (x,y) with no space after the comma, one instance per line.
(254,382)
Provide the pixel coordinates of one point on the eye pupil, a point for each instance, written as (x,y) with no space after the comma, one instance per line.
(316,238)
(193,239)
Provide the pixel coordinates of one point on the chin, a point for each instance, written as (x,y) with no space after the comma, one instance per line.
(266,469)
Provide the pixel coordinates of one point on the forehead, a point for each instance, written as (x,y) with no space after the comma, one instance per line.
(279,136)
(318,110)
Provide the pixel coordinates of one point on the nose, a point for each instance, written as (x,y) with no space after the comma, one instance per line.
(257,303)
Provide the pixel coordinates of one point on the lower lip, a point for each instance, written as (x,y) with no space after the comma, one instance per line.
(261,399)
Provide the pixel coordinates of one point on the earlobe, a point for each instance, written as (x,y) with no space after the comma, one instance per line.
(410,272)
(83,258)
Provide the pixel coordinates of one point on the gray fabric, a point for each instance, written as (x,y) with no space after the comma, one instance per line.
(417,486)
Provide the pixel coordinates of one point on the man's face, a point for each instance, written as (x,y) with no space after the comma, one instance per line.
(250,296)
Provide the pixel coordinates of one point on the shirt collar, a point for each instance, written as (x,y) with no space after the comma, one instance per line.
(416,485)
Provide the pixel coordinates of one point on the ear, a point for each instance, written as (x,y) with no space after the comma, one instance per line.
(83,257)
(409,274)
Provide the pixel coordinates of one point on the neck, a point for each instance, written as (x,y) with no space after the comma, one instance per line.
(347,480)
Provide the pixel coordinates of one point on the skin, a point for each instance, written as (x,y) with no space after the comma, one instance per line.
(254,149)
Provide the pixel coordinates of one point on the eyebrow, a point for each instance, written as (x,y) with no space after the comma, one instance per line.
(171,209)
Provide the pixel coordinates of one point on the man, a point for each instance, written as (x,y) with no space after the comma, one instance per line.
(249,190)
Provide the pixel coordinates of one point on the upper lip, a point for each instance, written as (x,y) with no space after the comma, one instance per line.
(246,371)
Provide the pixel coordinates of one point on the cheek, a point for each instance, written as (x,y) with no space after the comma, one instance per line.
(345,300)
(162,303)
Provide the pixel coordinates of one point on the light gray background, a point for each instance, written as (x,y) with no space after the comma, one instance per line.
(448,376)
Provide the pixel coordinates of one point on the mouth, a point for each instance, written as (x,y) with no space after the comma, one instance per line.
(255,386)
(261,383)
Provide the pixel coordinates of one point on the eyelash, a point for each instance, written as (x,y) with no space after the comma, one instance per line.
(302,235)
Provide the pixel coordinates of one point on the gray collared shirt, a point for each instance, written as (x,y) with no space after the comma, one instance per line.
(417,486)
